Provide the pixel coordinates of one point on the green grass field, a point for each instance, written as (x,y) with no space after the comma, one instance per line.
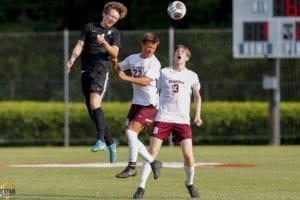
(276,174)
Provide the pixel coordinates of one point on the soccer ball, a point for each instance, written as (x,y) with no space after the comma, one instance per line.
(176,10)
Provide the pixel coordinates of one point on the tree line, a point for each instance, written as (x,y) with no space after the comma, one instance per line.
(53,15)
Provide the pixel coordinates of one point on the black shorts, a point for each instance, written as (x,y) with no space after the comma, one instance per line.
(94,82)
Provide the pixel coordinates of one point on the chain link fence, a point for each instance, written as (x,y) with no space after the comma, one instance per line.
(32,67)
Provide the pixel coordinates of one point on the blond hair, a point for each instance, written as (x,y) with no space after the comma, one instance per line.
(122,10)
(187,51)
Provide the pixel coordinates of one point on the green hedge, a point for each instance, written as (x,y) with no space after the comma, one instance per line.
(42,123)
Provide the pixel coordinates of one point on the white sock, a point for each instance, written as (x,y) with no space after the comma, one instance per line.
(189,173)
(146,170)
(133,145)
(144,152)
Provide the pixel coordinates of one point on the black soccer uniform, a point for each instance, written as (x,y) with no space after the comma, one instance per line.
(95,61)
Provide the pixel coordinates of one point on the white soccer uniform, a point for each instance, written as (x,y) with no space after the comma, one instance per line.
(175,95)
(140,67)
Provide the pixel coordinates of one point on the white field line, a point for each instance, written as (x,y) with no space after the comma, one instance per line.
(118,164)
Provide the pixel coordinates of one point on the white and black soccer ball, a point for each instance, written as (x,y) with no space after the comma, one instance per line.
(176,10)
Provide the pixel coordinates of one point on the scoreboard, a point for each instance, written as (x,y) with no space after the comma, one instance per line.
(266,28)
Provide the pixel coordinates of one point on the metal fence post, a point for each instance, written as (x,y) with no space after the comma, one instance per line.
(66,89)
(274,105)
(171,55)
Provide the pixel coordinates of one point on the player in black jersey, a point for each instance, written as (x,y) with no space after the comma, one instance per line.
(97,44)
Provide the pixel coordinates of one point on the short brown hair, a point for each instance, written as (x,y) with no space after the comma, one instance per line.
(116,5)
(150,37)
(187,51)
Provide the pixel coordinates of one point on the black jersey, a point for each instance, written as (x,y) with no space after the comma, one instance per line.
(94,57)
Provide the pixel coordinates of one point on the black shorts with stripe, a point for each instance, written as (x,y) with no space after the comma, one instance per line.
(94,82)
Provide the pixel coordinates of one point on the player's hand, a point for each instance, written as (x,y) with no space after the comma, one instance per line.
(100,39)
(69,65)
(198,121)
(122,75)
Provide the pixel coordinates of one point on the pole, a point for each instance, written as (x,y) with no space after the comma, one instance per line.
(274,105)
(171,57)
(66,89)
(171,46)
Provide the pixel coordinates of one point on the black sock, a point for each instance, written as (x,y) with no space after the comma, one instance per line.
(87,103)
(109,140)
(132,165)
(99,122)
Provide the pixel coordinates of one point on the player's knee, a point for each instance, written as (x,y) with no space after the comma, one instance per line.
(130,135)
(188,156)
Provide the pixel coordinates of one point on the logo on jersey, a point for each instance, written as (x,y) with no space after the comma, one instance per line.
(176,81)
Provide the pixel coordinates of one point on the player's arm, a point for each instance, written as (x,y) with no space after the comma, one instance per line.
(75,53)
(142,81)
(152,74)
(112,50)
(198,102)
(115,65)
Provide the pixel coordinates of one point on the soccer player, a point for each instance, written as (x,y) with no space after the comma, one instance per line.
(144,68)
(176,84)
(98,43)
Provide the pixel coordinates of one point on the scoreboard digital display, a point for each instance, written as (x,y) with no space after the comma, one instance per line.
(256,31)
(266,28)
(286,8)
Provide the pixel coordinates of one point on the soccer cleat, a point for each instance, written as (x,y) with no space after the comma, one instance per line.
(156,166)
(139,193)
(127,172)
(99,146)
(193,191)
(113,151)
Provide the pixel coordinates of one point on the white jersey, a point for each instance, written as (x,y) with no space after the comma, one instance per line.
(175,95)
(140,67)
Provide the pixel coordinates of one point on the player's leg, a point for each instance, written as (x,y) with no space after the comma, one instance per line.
(135,148)
(111,143)
(130,170)
(103,134)
(87,104)
(98,115)
(148,114)
(107,136)
(189,167)
(131,134)
(155,165)
(99,84)
(154,148)
(139,117)
(87,85)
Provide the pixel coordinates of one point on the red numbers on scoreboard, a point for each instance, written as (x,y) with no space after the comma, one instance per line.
(256,31)
(288,8)
(297,31)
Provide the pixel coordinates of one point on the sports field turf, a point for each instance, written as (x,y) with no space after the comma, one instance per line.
(273,173)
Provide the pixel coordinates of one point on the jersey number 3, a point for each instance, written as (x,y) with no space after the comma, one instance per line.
(175,88)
